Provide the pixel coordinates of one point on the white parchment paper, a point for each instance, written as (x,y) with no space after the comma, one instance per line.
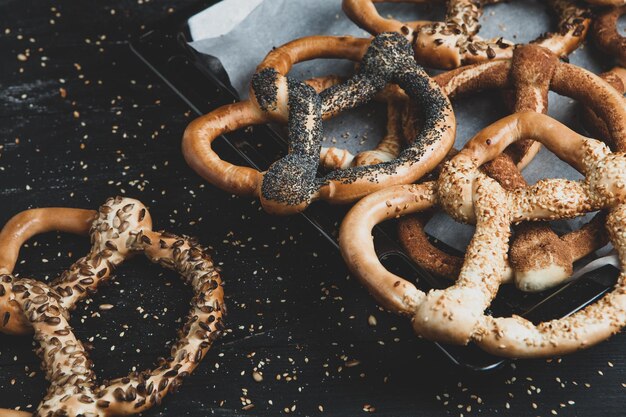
(271,23)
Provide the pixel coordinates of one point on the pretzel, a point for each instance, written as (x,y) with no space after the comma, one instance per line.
(606,35)
(539,258)
(454,42)
(456,314)
(121,228)
(290,184)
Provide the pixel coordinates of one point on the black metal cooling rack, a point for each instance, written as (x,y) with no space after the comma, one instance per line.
(203,84)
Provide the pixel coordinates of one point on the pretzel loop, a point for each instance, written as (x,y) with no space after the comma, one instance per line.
(456,314)
(120,229)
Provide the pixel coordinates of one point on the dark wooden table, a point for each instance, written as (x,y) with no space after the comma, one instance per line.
(82,119)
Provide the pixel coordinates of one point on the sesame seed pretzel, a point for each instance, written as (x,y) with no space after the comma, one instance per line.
(456,314)
(539,258)
(454,42)
(121,228)
(291,184)
(606,35)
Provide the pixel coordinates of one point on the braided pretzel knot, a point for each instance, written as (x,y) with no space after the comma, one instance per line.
(539,258)
(455,315)
(120,229)
(607,36)
(290,184)
(454,42)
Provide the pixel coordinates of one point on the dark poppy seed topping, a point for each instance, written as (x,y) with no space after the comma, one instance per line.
(389,59)
(265,89)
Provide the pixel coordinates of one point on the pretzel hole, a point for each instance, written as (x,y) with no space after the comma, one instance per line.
(27,382)
(355,130)
(475,111)
(503,20)
(45,256)
(358,129)
(149,305)
(621,25)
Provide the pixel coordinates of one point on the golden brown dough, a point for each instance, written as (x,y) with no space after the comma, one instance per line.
(594,124)
(607,36)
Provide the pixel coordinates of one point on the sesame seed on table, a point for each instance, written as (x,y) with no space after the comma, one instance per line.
(82,119)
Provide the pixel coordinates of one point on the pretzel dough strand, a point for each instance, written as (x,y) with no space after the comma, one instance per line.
(120,229)
(26,224)
(616,77)
(606,34)
(456,313)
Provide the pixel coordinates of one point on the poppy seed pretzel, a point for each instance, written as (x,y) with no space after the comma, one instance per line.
(120,229)
(454,42)
(291,184)
(607,36)
(539,259)
(456,314)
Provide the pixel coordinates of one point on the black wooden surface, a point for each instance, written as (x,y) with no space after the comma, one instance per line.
(294,314)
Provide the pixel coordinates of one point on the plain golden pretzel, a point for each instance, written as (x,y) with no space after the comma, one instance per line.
(121,228)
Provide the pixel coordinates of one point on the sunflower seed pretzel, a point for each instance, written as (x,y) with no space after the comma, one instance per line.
(120,229)
(455,42)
